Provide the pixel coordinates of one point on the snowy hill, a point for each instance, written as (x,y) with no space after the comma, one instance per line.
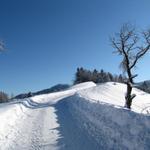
(114,93)
(85,117)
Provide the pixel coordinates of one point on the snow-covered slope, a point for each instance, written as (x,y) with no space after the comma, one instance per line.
(85,117)
(114,94)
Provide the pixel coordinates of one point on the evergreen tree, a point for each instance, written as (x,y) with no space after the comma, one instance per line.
(84,75)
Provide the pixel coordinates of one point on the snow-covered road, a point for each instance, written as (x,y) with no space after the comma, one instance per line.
(35,129)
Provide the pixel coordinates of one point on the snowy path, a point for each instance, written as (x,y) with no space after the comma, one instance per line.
(34,131)
(47,128)
(44,124)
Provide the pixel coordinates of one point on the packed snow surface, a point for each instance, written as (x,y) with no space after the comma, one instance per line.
(85,117)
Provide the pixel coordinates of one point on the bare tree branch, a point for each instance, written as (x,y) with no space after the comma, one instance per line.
(141,53)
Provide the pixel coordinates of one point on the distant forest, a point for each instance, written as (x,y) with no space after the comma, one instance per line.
(84,75)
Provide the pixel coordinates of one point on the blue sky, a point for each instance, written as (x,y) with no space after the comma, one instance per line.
(46,40)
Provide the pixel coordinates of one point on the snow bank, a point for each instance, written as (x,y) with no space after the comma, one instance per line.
(53,98)
(111,127)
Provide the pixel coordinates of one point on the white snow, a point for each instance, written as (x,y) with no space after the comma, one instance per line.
(84,117)
(114,94)
(52,98)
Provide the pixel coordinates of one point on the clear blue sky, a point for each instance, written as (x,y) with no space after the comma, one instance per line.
(47,40)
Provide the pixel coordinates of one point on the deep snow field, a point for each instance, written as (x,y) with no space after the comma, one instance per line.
(85,117)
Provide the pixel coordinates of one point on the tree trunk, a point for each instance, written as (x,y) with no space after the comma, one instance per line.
(129,83)
(128,96)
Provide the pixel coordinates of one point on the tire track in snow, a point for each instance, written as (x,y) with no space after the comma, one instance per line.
(28,131)
(35,130)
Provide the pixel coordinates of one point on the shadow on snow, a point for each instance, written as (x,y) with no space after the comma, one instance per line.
(72,135)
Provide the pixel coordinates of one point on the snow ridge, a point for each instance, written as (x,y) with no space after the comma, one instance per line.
(112,128)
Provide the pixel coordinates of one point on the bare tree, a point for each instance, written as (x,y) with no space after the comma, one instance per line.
(131,45)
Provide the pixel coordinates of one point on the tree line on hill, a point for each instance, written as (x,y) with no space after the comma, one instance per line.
(84,75)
